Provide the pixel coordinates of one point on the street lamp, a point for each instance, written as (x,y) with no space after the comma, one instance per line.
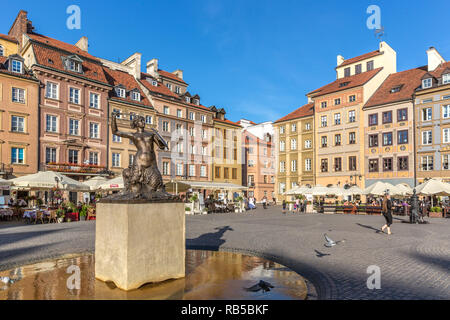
(356,176)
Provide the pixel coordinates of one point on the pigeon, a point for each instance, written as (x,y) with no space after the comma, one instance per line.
(6,280)
(330,242)
(261,285)
(321,254)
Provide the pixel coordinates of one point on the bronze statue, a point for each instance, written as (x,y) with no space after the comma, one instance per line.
(142,179)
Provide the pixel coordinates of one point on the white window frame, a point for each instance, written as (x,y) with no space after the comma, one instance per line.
(19,124)
(94,100)
(446,111)
(282,166)
(77,127)
(192,170)
(446,135)
(179,169)
(94,130)
(16,66)
(308,164)
(166,110)
(50,155)
(308,144)
(323,121)
(17,155)
(203,171)
(179,113)
(429,114)
(427,83)
(429,165)
(294,165)
(446,78)
(51,123)
(18,95)
(93,158)
(121,92)
(116,138)
(282,146)
(147,117)
(426,135)
(135,95)
(74,95)
(352,116)
(115,160)
(52,90)
(293,144)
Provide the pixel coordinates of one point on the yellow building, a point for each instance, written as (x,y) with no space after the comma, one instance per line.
(8,45)
(226,152)
(295,154)
(339,118)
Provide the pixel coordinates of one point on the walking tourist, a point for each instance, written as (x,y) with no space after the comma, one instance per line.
(284,206)
(387,213)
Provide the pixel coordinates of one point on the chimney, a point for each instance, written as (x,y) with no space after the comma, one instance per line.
(340,60)
(178,73)
(20,26)
(434,59)
(134,63)
(152,67)
(82,43)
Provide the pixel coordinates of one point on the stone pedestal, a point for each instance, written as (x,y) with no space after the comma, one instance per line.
(138,243)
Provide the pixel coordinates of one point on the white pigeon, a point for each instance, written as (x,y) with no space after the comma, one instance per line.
(330,242)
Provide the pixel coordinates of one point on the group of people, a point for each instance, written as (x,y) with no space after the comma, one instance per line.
(17,203)
(251,202)
(299,206)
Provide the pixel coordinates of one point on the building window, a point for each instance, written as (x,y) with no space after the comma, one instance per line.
(308,164)
(120,92)
(352,163)
(446,135)
(18,95)
(203,171)
(192,170)
(293,127)
(17,156)
(337,139)
(179,147)
(282,166)
(352,98)
(387,117)
(373,140)
(191,116)
(16,66)
(369,65)
(116,159)
(446,111)
(179,113)
(148,119)
(293,144)
(50,155)
(165,168)
(2,52)
(93,158)
(50,123)
(203,118)
(351,116)
(323,121)
(116,138)
(352,138)
(402,115)
(217,172)
(427,83)
(74,95)
(165,126)
(373,165)
(94,99)
(73,156)
(324,165)
(192,131)
(93,130)
(282,130)
(338,164)
(402,137)
(166,110)
(308,144)
(136,95)
(294,166)
(282,146)
(51,91)
(308,126)
(74,126)
(337,118)
(402,163)
(17,124)
(387,164)
(169,85)
(446,78)
(187,99)
(427,114)
(373,119)
(445,162)
(358,69)
(427,163)
(324,141)
(387,139)
(347,72)
(323,104)
(427,137)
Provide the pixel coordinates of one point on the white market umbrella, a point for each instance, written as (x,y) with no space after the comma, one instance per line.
(177,186)
(112,184)
(381,188)
(4,183)
(355,190)
(433,187)
(337,191)
(299,190)
(95,182)
(319,190)
(405,190)
(49,180)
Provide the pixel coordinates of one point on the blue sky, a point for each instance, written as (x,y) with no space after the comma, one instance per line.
(255,58)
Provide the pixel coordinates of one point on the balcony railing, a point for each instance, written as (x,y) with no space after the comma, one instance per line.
(74,168)
(5,170)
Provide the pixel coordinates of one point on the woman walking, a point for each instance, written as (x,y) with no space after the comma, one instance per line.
(387,213)
(284,206)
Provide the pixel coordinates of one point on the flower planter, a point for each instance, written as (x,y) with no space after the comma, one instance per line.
(60,220)
(435,214)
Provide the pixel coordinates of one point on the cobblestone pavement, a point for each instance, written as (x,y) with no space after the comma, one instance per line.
(414,260)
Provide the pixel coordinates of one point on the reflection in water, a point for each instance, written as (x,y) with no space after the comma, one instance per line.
(209,275)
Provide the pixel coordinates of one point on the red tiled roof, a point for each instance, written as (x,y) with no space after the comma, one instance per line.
(160,88)
(437,73)
(303,111)
(352,82)
(228,122)
(360,58)
(407,80)
(52,57)
(60,45)
(170,75)
(9,38)
(116,77)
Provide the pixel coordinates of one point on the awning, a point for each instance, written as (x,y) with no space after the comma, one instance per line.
(214,185)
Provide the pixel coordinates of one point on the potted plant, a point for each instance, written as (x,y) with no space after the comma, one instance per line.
(187,210)
(60,215)
(84,211)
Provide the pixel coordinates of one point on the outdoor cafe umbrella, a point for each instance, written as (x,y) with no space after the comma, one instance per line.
(177,186)
(380,188)
(319,190)
(112,184)
(354,190)
(299,190)
(433,187)
(95,182)
(48,180)
(403,189)
(4,183)
(337,191)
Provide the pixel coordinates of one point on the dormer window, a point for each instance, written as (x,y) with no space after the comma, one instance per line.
(177,90)
(169,85)
(427,83)
(196,102)
(16,66)
(2,51)
(120,92)
(446,78)
(136,95)
(73,63)
(343,84)
(396,89)
(187,99)
(154,83)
